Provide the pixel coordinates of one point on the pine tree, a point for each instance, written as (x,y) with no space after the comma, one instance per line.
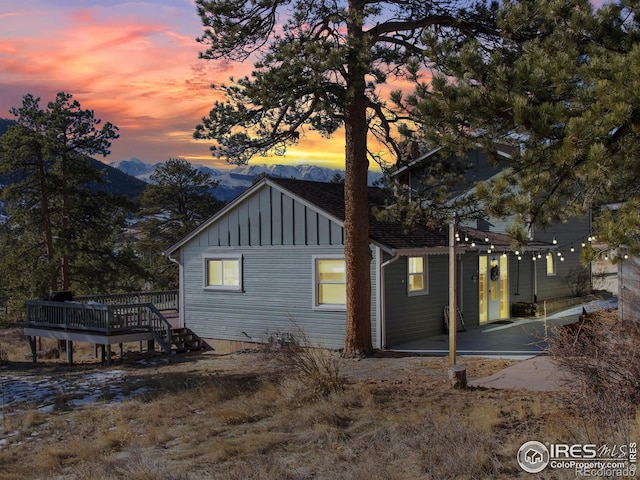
(53,219)
(319,65)
(563,86)
(177,200)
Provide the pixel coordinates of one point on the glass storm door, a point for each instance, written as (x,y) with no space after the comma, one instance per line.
(493,282)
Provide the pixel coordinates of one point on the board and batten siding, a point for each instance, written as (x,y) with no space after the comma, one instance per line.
(271,217)
(407,317)
(277,238)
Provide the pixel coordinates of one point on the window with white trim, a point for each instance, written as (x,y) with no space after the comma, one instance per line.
(417,280)
(330,283)
(551,264)
(223,273)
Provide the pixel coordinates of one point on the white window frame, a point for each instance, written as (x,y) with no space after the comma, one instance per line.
(223,258)
(315,297)
(551,256)
(425,276)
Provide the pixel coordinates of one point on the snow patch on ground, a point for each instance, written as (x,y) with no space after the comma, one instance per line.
(46,394)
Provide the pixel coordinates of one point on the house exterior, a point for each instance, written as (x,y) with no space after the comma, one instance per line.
(272,262)
(537,274)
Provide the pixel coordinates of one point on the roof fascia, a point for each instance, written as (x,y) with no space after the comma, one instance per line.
(434,151)
(241,198)
(229,206)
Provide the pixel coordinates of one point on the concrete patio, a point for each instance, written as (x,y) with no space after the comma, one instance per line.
(519,338)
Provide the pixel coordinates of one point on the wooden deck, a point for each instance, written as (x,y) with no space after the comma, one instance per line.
(105,319)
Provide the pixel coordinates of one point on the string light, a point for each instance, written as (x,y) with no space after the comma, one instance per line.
(555,240)
(572,249)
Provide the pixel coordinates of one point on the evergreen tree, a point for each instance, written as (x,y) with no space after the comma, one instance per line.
(55,225)
(319,66)
(563,86)
(177,200)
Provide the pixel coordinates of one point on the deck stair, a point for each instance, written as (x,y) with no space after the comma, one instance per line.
(184,340)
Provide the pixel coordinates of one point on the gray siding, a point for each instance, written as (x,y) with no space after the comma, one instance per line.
(570,233)
(407,317)
(277,238)
(270,217)
(468,279)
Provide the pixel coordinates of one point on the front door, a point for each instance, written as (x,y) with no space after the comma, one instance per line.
(494,287)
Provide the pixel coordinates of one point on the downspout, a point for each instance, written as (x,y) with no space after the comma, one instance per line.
(535,282)
(180,290)
(382,321)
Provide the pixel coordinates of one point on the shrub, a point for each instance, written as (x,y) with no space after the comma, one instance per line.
(602,357)
(316,368)
(579,280)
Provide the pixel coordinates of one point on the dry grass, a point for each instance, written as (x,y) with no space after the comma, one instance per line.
(249,417)
(603,355)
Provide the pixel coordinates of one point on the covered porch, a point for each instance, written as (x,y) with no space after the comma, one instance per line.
(512,338)
(105,320)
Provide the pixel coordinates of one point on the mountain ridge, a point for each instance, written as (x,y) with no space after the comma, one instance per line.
(236,180)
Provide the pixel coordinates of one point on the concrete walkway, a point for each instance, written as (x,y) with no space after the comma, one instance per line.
(539,374)
(522,339)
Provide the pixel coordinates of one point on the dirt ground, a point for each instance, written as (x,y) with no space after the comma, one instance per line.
(258,415)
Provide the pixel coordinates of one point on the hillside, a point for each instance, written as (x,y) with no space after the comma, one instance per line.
(236,180)
(117,182)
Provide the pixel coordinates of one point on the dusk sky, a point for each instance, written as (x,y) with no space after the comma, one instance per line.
(135,63)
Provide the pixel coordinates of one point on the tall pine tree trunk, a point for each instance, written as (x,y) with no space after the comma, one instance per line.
(66,267)
(356,224)
(46,222)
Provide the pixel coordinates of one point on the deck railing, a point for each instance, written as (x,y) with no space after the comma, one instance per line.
(162,299)
(69,315)
(100,318)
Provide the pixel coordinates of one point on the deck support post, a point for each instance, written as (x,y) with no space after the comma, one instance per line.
(109,355)
(121,351)
(34,352)
(95,350)
(69,352)
(151,346)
